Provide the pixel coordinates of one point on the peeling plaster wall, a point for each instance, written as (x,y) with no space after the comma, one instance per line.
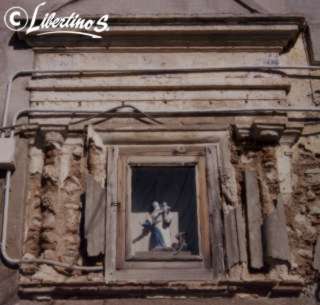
(56,183)
(58,163)
(304,210)
(264,159)
(59,239)
(60,159)
(301,194)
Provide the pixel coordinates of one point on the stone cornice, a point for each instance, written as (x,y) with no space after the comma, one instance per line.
(214,33)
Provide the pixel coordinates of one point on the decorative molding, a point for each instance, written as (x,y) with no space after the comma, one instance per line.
(272,35)
(267,133)
(270,132)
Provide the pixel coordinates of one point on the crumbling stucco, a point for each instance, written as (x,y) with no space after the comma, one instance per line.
(54,201)
(303,213)
(33,208)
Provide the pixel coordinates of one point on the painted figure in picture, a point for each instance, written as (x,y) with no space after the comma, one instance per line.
(158,225)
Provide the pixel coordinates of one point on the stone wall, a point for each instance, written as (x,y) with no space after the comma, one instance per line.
(272,149)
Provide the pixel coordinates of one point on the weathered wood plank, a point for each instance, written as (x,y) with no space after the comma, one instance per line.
(231,239)
(163,160)
(229,185)
(154,265)
(254,217)
(316,258)
(241,233)
(111,210)
(276,235)
(94,217)
(157,275)
(154,256)
(152,150)
(215,215)
(204,226)
(97,157)
(160,137)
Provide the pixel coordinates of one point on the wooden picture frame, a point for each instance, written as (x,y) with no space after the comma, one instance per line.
(119,265)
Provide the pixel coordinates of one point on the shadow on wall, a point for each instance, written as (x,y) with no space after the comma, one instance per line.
(17,43)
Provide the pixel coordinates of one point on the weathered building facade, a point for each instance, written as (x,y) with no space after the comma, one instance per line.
(224,108)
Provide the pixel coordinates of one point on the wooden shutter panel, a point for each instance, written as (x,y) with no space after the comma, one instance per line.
(254,218)
(94,217)
(111,211)
(241,232)
(231,238)
(276,235)
(215,215)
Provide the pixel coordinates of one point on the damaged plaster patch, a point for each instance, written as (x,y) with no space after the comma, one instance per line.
(304,213)
(56,185)
(33,209)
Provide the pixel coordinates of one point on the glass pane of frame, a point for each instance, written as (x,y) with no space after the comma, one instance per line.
(163,216)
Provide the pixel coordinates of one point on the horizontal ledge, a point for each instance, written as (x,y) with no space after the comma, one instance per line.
(169,288)
(35,101)
(212,29)
(148,49)
(159,35)
(205,284)
(149,19)
(166,128)
(259,86)
(164,88)
(163,96)
(173,137)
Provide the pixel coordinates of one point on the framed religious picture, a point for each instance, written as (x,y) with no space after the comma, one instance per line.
(162,217)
